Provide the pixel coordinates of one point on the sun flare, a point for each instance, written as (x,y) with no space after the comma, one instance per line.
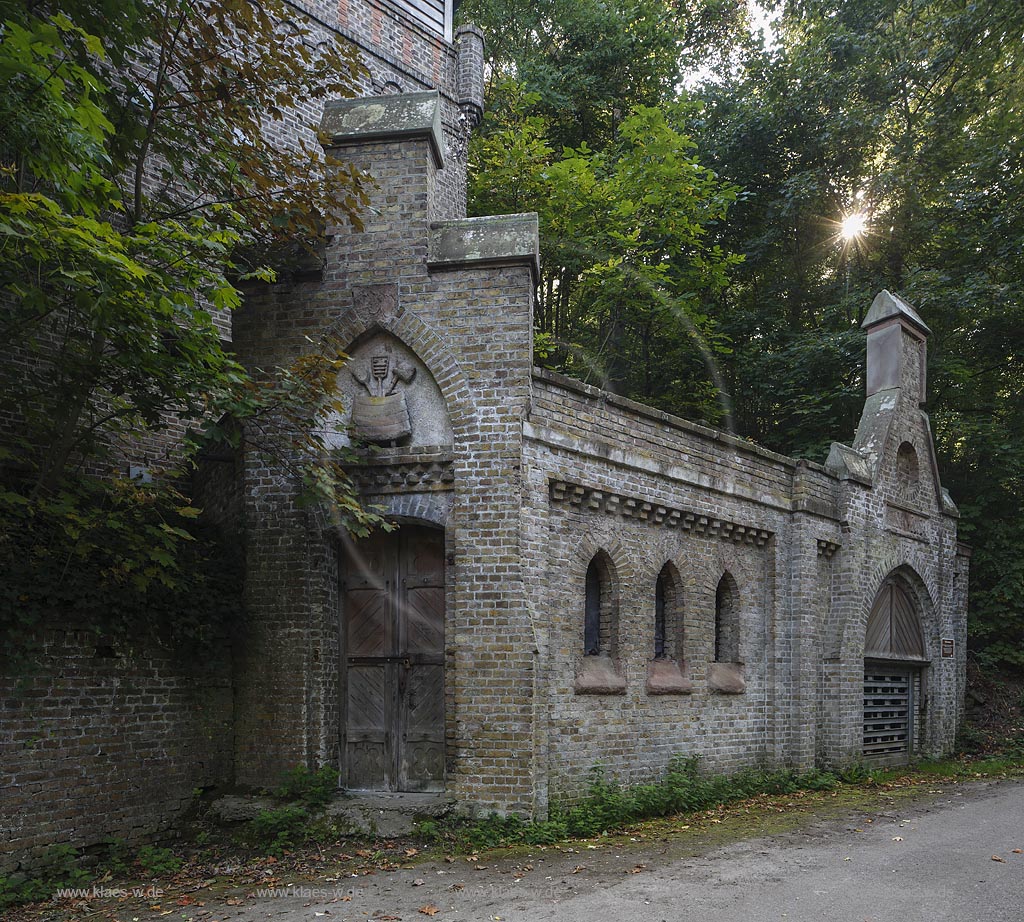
(853,226)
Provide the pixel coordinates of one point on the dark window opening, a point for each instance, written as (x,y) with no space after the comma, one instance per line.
(592,623)
(727,627)
(659,615)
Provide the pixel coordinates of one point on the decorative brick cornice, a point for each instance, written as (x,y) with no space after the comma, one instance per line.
(413,473)
(628,507)
(827,548)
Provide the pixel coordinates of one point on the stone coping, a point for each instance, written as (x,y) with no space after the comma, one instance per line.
(676,422)
(493,240)
(386,118)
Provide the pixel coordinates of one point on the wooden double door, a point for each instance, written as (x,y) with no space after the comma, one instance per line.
(393,623)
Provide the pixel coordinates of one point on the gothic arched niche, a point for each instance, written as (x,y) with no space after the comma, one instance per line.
(908,485)
(894,626)
(390,396)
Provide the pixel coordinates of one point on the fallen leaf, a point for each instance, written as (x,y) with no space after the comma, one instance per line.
(429,910)
(578,868)
(457,887)
(638,869)
(1018,851)
(1000,860)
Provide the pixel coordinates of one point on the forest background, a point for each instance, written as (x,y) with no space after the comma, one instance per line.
(694,175)
(724,187)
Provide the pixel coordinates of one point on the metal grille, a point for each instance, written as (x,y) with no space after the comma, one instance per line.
(888,706)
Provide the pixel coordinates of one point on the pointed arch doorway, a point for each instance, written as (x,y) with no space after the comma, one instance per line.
(894,676)
(393,689)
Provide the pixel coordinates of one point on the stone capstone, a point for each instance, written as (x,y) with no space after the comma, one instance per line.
(386,118)
(504,240)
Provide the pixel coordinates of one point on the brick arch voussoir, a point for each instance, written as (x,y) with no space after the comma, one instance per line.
(623,571)
(406,327)
(727,560)
(666,549)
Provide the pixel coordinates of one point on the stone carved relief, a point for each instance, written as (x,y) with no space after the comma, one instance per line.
(381,415)
(375,303)
(390,397)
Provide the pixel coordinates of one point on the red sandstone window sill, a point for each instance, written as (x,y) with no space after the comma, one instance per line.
(599,676)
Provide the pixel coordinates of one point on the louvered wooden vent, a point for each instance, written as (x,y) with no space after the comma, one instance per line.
(888,707)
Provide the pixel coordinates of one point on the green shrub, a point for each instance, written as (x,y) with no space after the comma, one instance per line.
(608,805)
(58,869)
(314,789)
(158,862)
(279,829)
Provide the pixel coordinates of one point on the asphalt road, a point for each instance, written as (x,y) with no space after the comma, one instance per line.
(920,860)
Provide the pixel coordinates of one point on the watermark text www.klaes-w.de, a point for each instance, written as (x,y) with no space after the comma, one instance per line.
(305,893)
(108,893)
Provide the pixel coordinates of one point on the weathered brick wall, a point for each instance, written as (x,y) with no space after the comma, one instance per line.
(533,475)
(471,328)
(400,56)
(107,742)
(582,436)
(604,474)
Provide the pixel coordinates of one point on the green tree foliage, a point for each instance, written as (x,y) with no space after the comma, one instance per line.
(905,111)
(592,62)
(908,113)
(625,260)
(142,174)
(584,126)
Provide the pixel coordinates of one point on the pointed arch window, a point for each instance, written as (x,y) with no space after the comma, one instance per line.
(668,615)
(667,672)
(727,621)
(599,672)
(661,590)
(592,610)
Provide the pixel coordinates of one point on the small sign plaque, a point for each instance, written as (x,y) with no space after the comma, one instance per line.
(948,647)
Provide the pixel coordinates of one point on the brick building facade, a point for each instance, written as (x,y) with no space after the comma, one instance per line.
(609,584)
(576,579)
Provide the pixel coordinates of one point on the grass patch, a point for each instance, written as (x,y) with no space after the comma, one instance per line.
(610,807)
